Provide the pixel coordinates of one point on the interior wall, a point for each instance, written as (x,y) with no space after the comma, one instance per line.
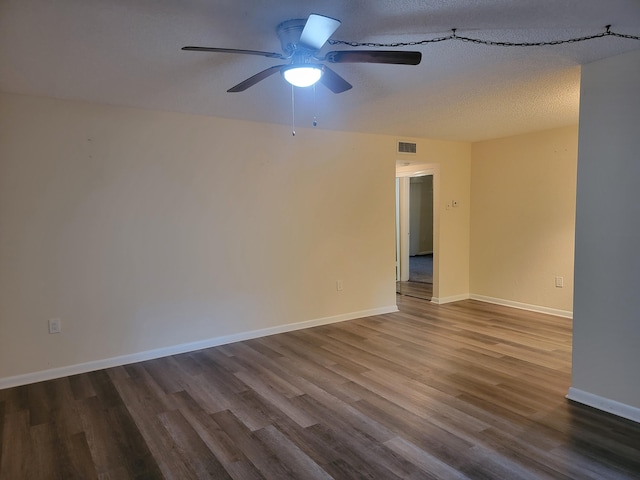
(415,212)
(523,198)
(421,209)
(606,331)
(141,229)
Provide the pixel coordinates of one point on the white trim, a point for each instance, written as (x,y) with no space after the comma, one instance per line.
(605,404)
(404,227)
(50,374)
(453,298)
(414,169)
(523,306)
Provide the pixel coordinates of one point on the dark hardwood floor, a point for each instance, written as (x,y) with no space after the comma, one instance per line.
(464,390)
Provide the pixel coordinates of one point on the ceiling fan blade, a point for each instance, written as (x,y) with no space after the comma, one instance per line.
(374,56)
(317,30)
(333,81)
(235,50)
(251,81)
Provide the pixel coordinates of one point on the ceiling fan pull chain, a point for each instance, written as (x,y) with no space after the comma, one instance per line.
(315,107)
(293,111)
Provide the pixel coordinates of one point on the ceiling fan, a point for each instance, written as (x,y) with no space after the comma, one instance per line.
(301,40)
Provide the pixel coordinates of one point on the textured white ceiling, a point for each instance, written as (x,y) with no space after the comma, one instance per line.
(127,52)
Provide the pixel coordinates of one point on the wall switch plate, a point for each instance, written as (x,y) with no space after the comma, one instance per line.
(55,325)
(559,282)
(339,285)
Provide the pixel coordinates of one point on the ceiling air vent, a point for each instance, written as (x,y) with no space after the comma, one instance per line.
(407,147)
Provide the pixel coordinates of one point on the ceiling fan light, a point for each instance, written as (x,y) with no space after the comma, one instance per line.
(302,76)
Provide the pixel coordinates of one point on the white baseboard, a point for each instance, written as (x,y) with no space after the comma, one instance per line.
(605,404)
(453,298)
(503,302)
(523,306)
(50,374)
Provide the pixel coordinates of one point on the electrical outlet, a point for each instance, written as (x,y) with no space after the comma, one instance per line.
(339,285)
(55,325)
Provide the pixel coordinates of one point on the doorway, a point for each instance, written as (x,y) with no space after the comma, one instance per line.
(421,229)
(416,230)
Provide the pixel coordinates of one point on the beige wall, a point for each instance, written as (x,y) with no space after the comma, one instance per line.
(523,192)
(144,230)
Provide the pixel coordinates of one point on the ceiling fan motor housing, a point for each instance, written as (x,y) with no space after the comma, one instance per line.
(289,33)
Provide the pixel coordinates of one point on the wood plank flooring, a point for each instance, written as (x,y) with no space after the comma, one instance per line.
(415,289)
(459,391)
